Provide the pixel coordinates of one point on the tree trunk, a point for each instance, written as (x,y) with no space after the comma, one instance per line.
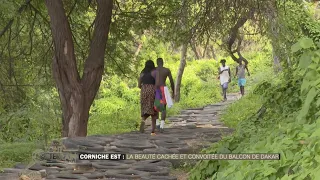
(184,51)
(77,94)
(198,48)
(275,33)
(276,61)
(136,53)
(180,71)
(204,54)
(195,50)
(316,4)
(234,35)
(213,53)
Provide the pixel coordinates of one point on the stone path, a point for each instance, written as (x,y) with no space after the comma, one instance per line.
(188,132)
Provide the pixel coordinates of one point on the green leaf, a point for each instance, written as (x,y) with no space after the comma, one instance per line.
(289,155)
(305,60)
(312,75)
(317,158)
(303,135)
(306,43)
(296,47)
(317,54)
(318,102)
(315,83)
(239,175)
(305,109)
(269,170)
(318,44)
(316,133)
(286,177)
(305,85)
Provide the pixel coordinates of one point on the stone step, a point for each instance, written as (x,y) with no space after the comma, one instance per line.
(200,108)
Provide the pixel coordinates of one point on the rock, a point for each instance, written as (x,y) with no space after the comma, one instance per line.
(134,144)
(191,126)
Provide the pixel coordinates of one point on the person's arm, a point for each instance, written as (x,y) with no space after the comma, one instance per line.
(247,70)
(220,72)
(229,74)
(236,72)
(171,82)
(139,80)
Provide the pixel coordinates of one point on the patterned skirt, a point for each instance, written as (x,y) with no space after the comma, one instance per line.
(147,96)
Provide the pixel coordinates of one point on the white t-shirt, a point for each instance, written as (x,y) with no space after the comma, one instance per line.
(224,76)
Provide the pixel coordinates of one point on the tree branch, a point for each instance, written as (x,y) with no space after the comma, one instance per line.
(72,8)
(234,35)
(41,15)
(95,60)
(65,59)
(20,10)
(119,67)
(31,33)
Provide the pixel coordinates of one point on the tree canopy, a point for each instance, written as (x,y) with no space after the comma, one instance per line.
(30,45)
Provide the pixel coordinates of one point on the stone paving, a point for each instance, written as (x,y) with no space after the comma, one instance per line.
(192,130)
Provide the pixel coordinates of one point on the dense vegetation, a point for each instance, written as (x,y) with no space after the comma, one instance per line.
(281,115)
(117,105)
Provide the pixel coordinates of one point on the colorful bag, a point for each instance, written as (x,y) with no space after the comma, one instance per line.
(158,102)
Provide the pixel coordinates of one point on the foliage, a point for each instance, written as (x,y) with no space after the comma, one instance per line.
(238,111)
(290,126)
(37,120)
(12,153)
(293,21)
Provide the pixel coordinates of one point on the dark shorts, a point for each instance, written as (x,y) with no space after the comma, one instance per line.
(225,86)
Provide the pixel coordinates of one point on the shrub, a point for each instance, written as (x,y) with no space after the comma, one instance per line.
(290,126)
(12,153)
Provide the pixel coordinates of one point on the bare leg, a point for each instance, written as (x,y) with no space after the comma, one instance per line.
(242,90)
(158,122)
(222,90)
(164,115)
(142,124)
(153,123)
(163,118)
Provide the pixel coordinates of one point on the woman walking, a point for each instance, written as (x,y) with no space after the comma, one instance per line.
(147,82)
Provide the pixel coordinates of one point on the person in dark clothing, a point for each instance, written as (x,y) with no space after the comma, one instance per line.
(147,83)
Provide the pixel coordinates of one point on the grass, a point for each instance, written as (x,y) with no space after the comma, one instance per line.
(11,153)
(241,109)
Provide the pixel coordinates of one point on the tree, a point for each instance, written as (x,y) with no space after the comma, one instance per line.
(77,93)
(183,56)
